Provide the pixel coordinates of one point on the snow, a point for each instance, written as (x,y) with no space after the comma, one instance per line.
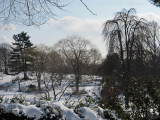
(88,114)
(37,108)
(67,113)
(31,111)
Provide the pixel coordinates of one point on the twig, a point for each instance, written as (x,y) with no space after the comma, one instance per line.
(87,7)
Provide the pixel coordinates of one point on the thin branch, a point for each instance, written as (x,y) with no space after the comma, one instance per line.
(87,7)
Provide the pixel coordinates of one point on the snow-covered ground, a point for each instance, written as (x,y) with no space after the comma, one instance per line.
(69,107)
(9,88)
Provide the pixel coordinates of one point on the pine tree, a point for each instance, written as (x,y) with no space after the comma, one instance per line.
(20,59)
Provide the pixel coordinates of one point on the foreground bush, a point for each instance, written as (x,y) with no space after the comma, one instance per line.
(139,101)
(87,108)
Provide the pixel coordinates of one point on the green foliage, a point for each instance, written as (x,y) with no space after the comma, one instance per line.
(85,102)
(31,88)
(50,112)
(110,64)
(38,104)
(155,2)
(6,100)
(108,114)
(110,92)
(143,98)
(69,102)
(16,79)
(11,116)
(20,59)
(1,98)
(18,99)
(110,96)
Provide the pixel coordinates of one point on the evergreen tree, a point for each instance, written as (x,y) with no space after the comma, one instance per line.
(20,59)
(155,2)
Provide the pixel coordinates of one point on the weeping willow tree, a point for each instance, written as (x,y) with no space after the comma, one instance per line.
(136,42)
(123,33)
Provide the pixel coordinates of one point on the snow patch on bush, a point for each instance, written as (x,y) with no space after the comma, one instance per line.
(31,111)
(67,113)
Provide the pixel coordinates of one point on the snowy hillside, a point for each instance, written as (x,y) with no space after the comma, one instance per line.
(33,105)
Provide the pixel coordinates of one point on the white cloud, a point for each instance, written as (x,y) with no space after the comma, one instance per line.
(87,28)
(150,17)
(90,28)
(4,39)
(74,24)
(10,27)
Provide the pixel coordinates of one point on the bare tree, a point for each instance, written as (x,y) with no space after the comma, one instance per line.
(39,63)
(122,33)
(55,75)
(153,43)
(55,62)
(31,12)
(76,51)
(92,65)
(5,50)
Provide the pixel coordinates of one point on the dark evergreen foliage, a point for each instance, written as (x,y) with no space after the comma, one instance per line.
(11,116)
(155,2)
(111,64)
(20,58)
(136,86)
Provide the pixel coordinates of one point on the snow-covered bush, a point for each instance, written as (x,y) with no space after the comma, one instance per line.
(1,98)
(50,110)
(18,99)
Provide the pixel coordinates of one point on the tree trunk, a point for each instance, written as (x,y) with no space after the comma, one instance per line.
(5,68)
(19,85)
(25,76)
(25,71)
(77,83)
(39,82)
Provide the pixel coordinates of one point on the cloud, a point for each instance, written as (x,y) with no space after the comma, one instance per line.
(90,29)
(74,24)
(10,27)
(150,17)
(4,39)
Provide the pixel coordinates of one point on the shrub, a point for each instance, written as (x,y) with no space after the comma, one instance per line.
(18,99)
(31,88)
(110,96)
(16,79)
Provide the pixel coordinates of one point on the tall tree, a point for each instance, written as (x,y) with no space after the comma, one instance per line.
(20,59)
(122,33)
(153,43)
(5,55)
(40,63)
(77,51)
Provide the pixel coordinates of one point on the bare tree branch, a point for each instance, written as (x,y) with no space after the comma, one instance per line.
(87,7)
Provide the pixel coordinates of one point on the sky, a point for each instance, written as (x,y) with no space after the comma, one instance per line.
(77,20)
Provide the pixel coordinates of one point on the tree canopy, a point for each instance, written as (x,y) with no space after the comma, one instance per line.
(155,2)
(31,12)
